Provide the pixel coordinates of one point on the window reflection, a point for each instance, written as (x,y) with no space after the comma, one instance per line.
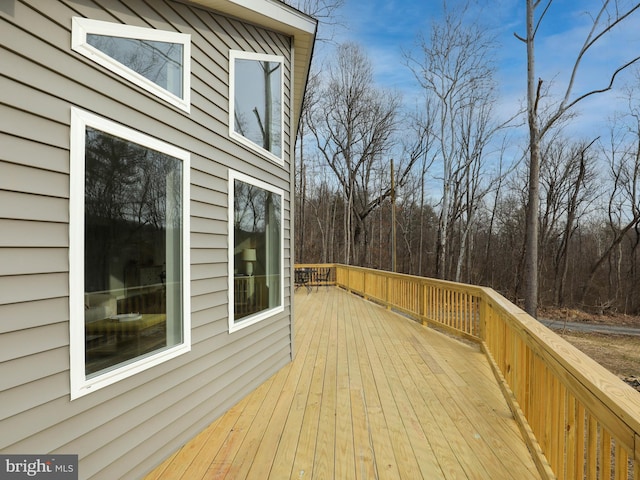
(133,251)
(159,62)
(257,242)
(258,103)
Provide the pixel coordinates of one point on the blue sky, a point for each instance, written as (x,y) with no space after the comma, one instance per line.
(386,28)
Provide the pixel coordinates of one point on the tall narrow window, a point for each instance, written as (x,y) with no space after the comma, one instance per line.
(256,110)
(128,252)
(156,60)
(256,252)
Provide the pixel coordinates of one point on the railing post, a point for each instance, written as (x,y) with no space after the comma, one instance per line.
(364,285)
(421,295)
(484,315)
(388,292)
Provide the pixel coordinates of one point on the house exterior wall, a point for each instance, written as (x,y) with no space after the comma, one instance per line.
(125,429)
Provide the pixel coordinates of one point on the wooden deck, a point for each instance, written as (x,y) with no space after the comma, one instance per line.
(370,394)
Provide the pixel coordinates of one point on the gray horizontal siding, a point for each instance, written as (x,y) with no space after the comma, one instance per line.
(25,342)
(33,313)
(33,154)
(125,429)
(18,123)
(20,178)
(29,369)
(33,234)
(203,257)
(24,206)
(12,260)
(29,288)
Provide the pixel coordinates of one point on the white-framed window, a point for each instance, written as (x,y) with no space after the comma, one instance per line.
(256,250)
(256,111)
(129,290)
(156,60)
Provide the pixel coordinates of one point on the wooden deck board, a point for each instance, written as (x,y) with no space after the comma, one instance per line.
(363,447)
(344,423)
(265,457)
(370,394)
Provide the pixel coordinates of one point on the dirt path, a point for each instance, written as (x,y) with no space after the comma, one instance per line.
(560,326)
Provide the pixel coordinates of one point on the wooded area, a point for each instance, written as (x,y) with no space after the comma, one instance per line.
(461,170)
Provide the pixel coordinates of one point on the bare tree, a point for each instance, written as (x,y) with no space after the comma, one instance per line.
(610,15)
(454,67)
(353,125)
(623,156)
(424,121)
(326,13)
(411,207)
(301,177)
(568,190)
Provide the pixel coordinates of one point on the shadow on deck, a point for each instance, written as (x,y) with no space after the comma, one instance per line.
(370,394)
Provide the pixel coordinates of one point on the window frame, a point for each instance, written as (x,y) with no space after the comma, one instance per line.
(80,384)
(83,26)
(260,57)
(264,314)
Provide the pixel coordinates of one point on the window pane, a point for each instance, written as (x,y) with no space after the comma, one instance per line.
(133,251)
(258,100)
(257,241)
(160,62)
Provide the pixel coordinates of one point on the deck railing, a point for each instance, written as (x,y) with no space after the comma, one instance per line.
(580,420)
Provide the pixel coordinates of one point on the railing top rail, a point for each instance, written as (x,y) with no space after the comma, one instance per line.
(475,289)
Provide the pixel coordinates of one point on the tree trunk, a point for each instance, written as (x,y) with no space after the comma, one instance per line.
(531,246)
(442,234)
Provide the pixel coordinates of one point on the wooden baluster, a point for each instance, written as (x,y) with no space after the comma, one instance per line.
(592,447)
(621,463)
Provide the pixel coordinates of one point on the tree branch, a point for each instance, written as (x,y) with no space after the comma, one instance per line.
(544,12)
(608,87)
(588,43)
(563,109)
